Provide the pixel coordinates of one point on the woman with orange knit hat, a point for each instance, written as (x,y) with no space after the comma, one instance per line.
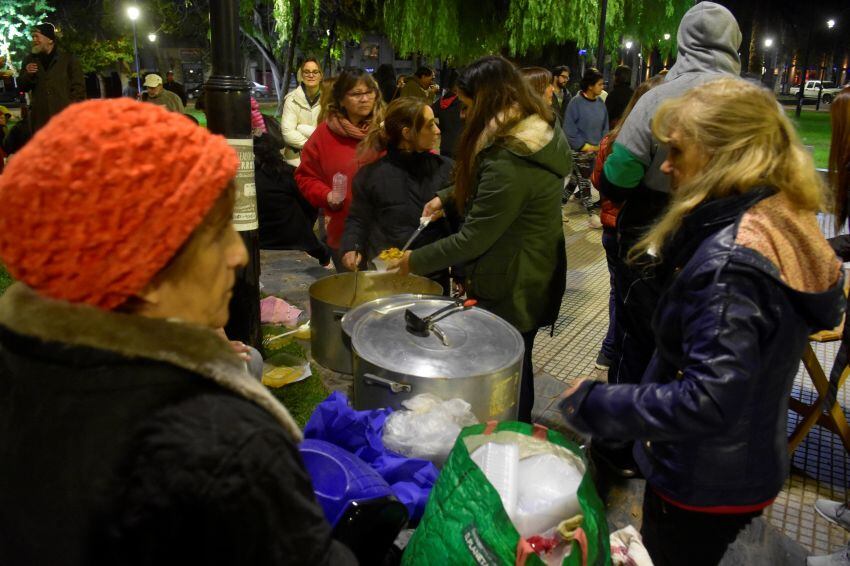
(130,431)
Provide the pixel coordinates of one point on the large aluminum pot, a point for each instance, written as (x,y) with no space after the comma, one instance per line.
(333,296)
(478,358)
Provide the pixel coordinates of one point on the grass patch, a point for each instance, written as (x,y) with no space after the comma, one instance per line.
(815,130)
(302,397)
(267,108)
(5,279)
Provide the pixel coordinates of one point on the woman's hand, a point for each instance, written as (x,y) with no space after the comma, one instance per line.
(402,265)
(573,388)
(238,347)
(351,260)
(433,209)
(333,205)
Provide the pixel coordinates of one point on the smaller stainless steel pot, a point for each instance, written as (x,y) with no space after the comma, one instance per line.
(331,299)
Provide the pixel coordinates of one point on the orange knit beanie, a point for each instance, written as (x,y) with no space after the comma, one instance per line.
(104,195)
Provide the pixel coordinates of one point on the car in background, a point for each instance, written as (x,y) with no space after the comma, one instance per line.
(258,90)
(825,89)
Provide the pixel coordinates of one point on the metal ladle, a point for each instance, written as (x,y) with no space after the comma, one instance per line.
(424,326)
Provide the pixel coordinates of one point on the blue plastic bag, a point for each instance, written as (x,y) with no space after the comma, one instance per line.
(360,433)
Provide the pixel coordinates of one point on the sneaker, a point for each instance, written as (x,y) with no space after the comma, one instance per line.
(840,558)
(834,512)
(594,222)
(602,361)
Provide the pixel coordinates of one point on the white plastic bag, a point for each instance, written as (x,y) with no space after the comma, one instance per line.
(538,489)
(548,493)
(428,427)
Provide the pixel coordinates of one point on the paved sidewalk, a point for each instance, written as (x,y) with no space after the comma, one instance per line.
(821,468)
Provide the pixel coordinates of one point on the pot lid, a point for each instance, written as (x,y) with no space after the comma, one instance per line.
(477,341)
(352,317)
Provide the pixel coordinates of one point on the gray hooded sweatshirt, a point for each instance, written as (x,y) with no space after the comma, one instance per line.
(708,41)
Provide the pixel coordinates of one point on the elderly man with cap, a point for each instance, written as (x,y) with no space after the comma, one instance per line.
(130,431)
(52,76)
(157,94)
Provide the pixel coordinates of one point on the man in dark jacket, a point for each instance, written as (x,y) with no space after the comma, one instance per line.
(175,87)
(561,95)
(447,111)
(620,95)
(52,76)
(708,40)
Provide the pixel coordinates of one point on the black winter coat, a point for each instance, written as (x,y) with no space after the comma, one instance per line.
(451,126)
(285,217)
(388,198)
(748,278)
(52,88)
(617,101)
(127,440)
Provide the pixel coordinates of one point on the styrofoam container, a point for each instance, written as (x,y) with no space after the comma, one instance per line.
(547,493)
(500,464)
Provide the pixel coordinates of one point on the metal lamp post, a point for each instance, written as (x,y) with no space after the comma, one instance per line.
(133,13)
(228,109)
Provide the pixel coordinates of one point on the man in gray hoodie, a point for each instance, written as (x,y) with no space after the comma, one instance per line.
(708,41)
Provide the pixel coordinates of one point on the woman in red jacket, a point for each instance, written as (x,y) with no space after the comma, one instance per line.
(329,159)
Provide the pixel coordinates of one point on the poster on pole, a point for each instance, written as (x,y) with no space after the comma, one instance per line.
(245,208)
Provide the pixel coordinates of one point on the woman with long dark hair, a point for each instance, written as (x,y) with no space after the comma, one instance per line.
(389,195)
(838,176)
(329,159)
(509,175)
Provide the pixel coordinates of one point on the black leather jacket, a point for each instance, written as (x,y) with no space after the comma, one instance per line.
(710,413)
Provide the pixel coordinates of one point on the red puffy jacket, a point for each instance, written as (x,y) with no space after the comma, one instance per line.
(324,155)
(608,211)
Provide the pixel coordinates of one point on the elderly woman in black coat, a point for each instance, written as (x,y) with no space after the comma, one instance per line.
(130,431)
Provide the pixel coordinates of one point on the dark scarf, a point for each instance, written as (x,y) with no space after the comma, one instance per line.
(46,58)
(311,101)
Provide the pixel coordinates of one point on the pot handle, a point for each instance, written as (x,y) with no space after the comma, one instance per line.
(394,386)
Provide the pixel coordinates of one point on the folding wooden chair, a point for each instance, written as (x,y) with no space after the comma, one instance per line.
(832,418)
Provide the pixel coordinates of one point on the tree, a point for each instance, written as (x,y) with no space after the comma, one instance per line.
(17,18)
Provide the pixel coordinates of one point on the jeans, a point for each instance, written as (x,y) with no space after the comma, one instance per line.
(526,388)
(678,537)
(613,338)
(640,293)
(583,162)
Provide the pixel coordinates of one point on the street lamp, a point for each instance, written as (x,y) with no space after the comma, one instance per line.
(768,43)
(830,23)
(666,37)
(133,13)
(629,44)
(152,37)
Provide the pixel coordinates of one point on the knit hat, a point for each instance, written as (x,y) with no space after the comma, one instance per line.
(46,29)
(104,195)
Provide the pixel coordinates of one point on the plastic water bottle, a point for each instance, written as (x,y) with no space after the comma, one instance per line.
(340,182)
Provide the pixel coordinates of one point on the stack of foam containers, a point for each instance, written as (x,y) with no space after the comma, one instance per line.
(500,464)
(537,492)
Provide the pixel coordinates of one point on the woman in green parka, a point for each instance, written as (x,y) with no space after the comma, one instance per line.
(509,175)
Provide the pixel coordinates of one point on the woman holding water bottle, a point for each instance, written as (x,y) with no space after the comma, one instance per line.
(329,159)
